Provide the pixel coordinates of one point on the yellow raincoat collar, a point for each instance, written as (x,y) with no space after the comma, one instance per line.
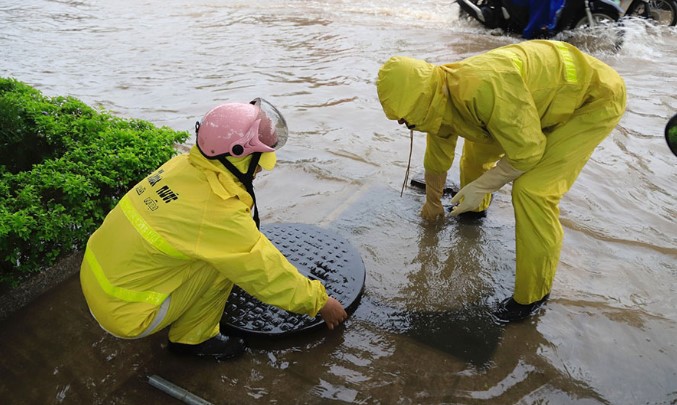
(416,91)
(222,182)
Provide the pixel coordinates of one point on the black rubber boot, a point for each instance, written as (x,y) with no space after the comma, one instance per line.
(472,215)
(469,217)
(220,347)
(510,311)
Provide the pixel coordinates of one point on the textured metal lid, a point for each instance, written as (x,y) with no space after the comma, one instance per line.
(317,253)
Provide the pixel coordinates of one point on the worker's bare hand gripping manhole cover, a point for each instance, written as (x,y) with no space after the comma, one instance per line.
(318,254)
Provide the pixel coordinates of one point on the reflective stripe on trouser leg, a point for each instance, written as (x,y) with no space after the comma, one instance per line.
(159,317)
(536,195)
(476,159)
(197,306)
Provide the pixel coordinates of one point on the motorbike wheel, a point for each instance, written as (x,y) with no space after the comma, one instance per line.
(600,18)
(606,34)
(664,12)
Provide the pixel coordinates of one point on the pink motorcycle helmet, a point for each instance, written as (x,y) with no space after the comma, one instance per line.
(240,129)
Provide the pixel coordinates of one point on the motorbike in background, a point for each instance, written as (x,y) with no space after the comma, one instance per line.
(663,12)
(595,21)
(510,18)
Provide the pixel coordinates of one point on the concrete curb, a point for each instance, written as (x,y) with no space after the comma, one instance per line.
(18,297)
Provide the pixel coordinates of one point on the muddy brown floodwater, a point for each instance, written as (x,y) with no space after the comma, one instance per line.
(420,333)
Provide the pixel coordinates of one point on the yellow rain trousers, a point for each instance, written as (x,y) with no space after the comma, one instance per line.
(171,250)
(543,104)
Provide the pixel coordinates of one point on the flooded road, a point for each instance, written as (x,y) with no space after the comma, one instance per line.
(420,334)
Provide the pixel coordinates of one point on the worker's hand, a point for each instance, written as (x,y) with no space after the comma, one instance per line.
(470,197)
(434,186)
(431,211)
(467,199)
(333,313)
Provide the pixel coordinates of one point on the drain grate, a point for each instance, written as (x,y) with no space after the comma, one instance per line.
(318,254)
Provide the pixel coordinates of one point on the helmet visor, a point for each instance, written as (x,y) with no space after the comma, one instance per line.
(273,127)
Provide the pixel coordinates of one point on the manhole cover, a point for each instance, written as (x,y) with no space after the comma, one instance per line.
(318,254)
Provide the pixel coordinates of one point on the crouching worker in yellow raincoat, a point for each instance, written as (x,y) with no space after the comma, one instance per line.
(539,109)
(170,252)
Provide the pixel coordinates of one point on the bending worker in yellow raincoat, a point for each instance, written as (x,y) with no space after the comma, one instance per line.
(169,253)
(539,109)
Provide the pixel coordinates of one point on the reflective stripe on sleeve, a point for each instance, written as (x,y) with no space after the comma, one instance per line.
(148,233)
(568,60)
(124,294)
(570,74)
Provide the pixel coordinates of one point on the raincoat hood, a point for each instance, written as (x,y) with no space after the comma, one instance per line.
(222,182)
(414,90)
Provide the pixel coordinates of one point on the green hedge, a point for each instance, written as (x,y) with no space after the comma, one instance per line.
(63,166)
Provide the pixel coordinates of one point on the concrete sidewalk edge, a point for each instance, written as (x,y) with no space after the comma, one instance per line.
(16,298)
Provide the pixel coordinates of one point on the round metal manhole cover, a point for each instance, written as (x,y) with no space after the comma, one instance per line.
(318,254)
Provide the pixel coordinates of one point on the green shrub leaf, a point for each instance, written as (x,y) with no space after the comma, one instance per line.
(63,166)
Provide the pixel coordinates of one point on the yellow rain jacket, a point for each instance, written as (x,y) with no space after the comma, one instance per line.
(543,104)
(171,250)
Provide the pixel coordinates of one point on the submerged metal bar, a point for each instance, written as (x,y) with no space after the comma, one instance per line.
(176,391)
